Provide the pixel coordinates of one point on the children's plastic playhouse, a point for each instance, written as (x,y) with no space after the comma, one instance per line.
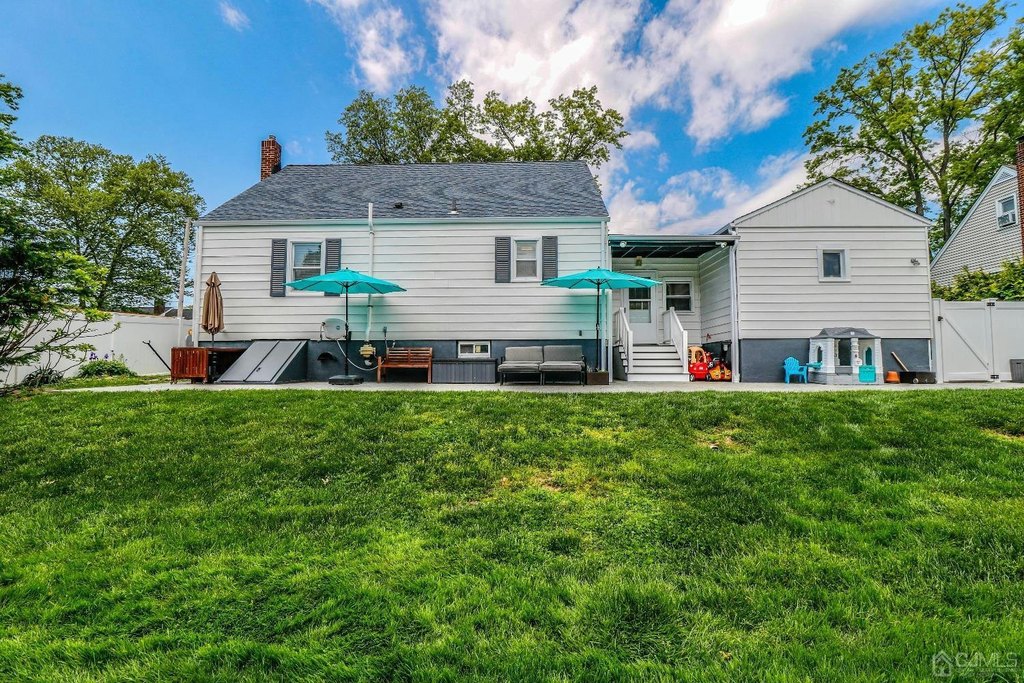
(845,355)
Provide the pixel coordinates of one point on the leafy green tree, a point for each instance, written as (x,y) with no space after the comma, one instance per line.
(1005,284)
(925,123)
(124,216)
(38,279)
(412,128)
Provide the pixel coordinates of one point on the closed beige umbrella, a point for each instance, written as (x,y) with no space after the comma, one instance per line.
(213,307)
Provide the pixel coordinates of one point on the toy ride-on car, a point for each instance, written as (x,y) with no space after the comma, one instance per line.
(699,364)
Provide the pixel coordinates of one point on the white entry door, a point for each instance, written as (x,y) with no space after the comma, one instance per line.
(643,306)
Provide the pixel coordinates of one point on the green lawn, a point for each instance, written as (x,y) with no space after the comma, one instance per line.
(110,381)
(284,535)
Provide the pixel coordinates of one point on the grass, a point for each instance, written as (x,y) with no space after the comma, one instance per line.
(110,381)
(290,535)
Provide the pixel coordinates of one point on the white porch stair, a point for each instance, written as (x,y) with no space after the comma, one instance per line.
(657,363)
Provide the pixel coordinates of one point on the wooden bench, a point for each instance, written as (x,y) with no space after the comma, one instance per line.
(422,358)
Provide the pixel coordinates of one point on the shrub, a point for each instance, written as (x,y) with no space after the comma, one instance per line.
(42,377)
(1006,284)
(105,368)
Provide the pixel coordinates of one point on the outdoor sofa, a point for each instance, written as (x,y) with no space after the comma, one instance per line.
(541,361)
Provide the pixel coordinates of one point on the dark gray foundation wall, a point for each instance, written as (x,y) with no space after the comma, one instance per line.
(325,359)
(761,359)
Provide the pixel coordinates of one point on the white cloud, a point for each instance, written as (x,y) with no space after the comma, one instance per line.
(640,139)
(385,48)
(720,62)
(233,17)
(679,202)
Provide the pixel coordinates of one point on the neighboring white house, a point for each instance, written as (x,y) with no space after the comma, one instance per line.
(472,242)
(990,233)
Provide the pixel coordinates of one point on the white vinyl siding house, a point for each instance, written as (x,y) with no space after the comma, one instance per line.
(715,294)
(447,269)
(702,282)
(471,244)
(786,289)
(979,242)
(667,271)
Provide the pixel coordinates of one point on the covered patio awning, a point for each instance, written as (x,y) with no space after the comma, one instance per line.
(666,246)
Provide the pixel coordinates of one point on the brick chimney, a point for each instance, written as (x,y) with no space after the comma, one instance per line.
(270,157)
(1020,187)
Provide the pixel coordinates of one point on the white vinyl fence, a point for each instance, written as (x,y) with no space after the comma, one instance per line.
(121,337)
(975,340)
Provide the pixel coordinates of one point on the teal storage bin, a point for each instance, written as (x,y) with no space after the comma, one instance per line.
(867,374)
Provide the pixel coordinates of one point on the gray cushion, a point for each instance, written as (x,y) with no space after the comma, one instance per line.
(561,366)
(519,366)
(563,353)
(529,354)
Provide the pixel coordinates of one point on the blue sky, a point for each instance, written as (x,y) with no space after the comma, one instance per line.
(717,93)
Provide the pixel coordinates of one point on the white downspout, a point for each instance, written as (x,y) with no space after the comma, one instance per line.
(369,297)
(735,305)
(606,331)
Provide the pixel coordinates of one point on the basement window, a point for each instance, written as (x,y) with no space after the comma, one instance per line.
(474,349)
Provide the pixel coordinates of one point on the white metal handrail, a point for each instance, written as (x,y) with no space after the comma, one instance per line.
(624,335)
(676,334)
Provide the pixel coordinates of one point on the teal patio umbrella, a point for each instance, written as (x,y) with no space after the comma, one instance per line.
(596,278)
(350,282)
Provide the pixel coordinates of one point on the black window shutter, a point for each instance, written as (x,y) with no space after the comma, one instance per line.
(549,258)
(332,259)
(278,266)
(503,259)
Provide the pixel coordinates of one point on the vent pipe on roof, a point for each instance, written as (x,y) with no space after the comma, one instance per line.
(455,208)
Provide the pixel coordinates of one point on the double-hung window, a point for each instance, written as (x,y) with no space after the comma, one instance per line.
(307,259)
(679,295)
(525,257)
(1006,212)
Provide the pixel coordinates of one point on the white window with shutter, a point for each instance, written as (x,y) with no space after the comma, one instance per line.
(1006,212)
(307,259)
(526,255)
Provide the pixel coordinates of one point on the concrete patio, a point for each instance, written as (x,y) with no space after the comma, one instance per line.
(616,387)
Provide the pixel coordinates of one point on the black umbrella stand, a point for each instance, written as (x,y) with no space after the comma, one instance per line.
(347,377)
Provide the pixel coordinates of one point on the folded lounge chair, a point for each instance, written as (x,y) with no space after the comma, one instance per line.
(521,360)
(564,359)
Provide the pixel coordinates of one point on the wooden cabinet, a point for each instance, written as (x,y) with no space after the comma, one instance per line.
(202,363)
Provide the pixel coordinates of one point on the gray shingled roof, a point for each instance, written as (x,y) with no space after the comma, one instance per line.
(538,189)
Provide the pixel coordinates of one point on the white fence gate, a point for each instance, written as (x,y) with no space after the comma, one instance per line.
(975,340)
(122,337)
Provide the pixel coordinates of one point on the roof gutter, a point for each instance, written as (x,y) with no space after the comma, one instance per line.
(670,239)
(360,222)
